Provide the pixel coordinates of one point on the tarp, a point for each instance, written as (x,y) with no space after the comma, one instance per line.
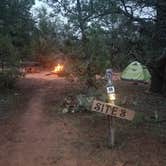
(135,71)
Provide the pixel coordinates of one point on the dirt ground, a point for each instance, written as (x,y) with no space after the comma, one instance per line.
(39,134)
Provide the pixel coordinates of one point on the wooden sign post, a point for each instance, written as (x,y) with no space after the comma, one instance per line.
(111,94)
(111,130)
(111,110)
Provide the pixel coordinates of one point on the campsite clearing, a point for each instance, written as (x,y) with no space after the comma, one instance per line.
(40,134)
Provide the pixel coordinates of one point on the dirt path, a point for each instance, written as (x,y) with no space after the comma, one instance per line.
(35,139)
(39,138)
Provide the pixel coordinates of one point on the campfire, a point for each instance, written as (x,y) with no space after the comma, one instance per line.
(57,69)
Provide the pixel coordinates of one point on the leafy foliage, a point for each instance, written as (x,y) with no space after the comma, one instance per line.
(16,26)
(9,77)
(110,32)
(101,34)
(17,23)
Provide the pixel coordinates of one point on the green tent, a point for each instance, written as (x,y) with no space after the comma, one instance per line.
(135,71)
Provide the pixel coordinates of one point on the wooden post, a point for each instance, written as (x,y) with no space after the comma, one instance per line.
(110,91)
(111,130)
(112,111)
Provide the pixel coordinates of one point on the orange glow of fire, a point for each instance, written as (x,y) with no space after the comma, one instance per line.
(58,68)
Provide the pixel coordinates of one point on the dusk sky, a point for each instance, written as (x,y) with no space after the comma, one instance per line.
(38,4)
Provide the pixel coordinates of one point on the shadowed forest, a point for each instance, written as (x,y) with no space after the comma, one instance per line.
(61,60)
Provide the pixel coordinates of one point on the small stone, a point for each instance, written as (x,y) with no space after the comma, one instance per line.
(65,110)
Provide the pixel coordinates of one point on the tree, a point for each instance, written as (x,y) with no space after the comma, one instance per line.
(17,23)
(133,29)
(47,37)
(158,66)
(8,53)
(16,26)
(77,15)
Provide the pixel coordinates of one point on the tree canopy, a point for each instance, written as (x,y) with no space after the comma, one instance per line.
(16,26)
(105,33)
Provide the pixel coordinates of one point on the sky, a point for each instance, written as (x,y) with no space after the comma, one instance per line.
(145,13)
(39,4)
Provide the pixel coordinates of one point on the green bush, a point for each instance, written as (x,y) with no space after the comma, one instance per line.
(9,77)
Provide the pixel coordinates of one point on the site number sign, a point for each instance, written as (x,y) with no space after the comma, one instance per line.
(112,110)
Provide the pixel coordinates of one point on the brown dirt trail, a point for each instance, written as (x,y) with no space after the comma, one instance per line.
(39,137)
(34,141)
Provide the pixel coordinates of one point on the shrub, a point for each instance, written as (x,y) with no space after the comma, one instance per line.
(9,77)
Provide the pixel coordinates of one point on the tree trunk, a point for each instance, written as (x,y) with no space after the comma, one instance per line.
(158,82)
(161,23)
